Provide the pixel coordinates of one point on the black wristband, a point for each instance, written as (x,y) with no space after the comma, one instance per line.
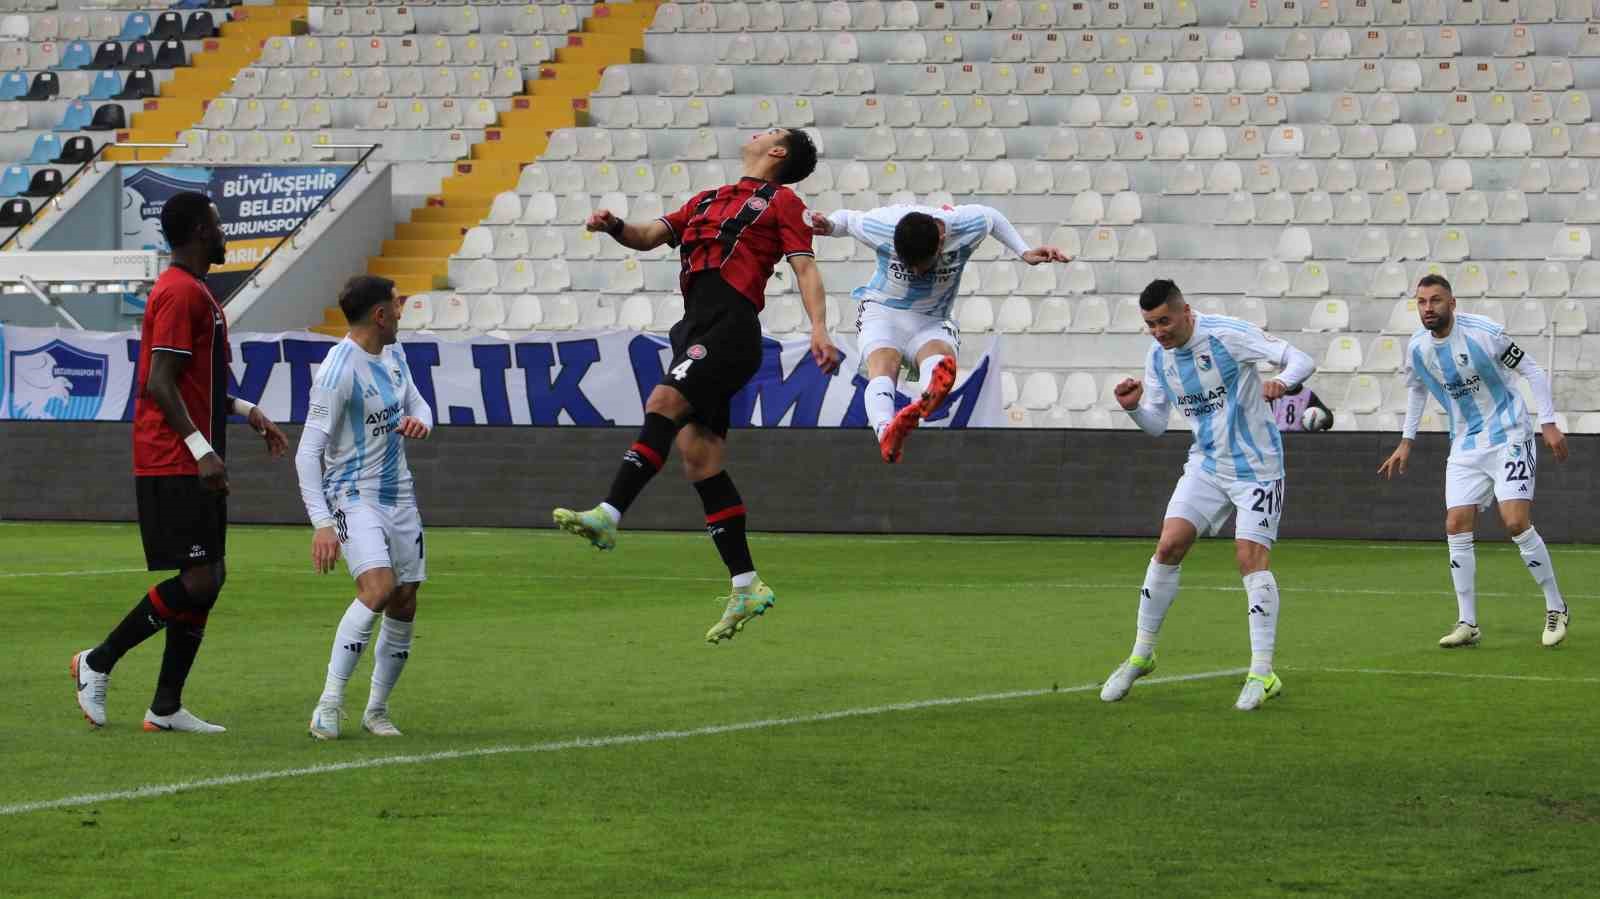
(615,229)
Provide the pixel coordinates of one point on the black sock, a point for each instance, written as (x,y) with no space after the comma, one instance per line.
(725,522)
(642,460)
(183,643)
(148,616)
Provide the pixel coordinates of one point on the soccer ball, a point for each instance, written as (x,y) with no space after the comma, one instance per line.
(1314,419)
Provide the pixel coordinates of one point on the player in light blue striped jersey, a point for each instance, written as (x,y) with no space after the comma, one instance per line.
(905,308)
(1205,366)
(1468,364)
(357,491)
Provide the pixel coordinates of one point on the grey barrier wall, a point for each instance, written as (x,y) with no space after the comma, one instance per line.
(963,482)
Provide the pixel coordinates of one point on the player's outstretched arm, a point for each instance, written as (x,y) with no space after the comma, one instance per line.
(642,237)
(277,444)
(162,387)
(815,299)
(1039,255)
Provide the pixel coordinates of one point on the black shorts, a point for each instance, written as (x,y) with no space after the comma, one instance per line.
(716,349)
(183,524)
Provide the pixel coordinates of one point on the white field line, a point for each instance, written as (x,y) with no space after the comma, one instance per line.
(91,572)
(657,736)
(156,790)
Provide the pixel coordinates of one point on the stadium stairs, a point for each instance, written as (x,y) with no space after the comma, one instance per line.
(417,258)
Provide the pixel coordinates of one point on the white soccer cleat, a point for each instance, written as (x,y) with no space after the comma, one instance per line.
(325,721)
(1121,680)
(1555,628)
(182,721)
(91,689)
(1463,634)
(377,723)
(1258,688)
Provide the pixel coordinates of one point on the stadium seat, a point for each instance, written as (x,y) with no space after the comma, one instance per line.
(1402,317)
(1385,354)
(1527,319)
(1570,319)
(1343,355)
(1329,315)
(418,312)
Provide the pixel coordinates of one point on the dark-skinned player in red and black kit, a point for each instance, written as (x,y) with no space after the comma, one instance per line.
(729,239)
(180,415)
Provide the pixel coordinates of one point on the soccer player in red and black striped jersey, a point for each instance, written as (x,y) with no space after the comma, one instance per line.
(179,419)
(729,239)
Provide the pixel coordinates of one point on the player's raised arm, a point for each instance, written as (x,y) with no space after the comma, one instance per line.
(815,299)
(1255,345)
(642,237)
(1146,401)
(1001,229)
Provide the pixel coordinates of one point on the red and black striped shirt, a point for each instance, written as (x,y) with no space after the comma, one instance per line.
(742,230)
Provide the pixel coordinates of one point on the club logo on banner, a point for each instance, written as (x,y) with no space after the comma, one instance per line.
(582,379)
(55,381)
(259,206)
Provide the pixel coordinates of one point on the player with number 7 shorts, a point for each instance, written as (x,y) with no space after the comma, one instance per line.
(1205,365)
(729,238)
(357,490)
(1469,364)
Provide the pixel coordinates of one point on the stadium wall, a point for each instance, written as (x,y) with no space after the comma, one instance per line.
(1109,483)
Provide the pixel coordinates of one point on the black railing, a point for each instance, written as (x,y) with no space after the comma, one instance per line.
(355,167)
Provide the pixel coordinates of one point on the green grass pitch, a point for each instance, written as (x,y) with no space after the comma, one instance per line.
(1388,767)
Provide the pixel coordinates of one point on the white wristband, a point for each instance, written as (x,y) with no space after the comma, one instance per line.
(242,408)
(198,446)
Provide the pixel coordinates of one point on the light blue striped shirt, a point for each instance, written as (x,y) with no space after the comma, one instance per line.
(1470,373)
(934,293)
(358,401)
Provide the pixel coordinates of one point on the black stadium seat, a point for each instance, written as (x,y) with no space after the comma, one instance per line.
(140,84)
(168,25)
(109,117)
(108,56)
(45,87)
(45,183)
(200,27)
(78,150)
(171,56)
(15,213)
(141,55)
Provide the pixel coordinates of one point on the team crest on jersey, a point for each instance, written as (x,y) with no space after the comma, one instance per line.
(1464,358)
(1205,361)
(756,203)
(56,381)
(698,351)
(1516,451)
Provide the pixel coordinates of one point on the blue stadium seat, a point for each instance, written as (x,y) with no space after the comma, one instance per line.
(77,116)
(76,55)
(14,86)
(135,27)
(14,181)
(106,86)
(45,150)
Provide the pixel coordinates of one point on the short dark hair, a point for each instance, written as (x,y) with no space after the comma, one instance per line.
(1158,293)
(181,215)
(916,237)
(802,158)
(362,293)
(1436,281)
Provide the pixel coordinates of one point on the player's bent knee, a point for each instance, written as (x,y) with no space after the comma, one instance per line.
(668,402)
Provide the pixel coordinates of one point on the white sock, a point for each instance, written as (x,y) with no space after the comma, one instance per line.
(355,631)
(744,580)
(1537,557)
(925,370)
(1261,590)
(1155,598)
(1464,572)
(394,647)
(879,402)
(613,511)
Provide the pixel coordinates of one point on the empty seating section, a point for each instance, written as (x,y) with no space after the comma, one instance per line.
(1299,165)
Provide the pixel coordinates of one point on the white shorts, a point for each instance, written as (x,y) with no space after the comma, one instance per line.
(1206,501)
(375,536)
(1497,473)
(902,330)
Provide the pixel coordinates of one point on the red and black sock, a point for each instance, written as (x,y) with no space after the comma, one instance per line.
(148,616)
(642,460)
(725,522)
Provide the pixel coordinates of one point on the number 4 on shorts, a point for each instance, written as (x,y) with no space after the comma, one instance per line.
(681,370)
